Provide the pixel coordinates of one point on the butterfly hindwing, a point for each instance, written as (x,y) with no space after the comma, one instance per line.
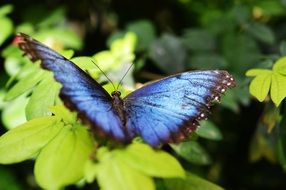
(169,109)
(79,91)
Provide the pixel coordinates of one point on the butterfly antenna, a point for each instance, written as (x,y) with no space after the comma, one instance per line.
(124,75)
(103,73)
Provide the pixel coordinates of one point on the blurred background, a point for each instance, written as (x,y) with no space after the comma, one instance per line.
(245,150)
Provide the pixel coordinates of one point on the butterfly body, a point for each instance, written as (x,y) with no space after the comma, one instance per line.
(164,111)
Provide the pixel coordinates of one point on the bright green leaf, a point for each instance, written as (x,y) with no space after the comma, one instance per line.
(91,171)
(85,63)
(260,85)
(255,72)
(64,36)
(151,162)
(192,182)
(193,152)
(64,114)
(14,112)
(6,26)
(25,141)
(124,46)
(25,84)
(43,98)
(278,90)
(105,60)
(114,174)
(280,66)
(62,161)
(6,9)
(208,130)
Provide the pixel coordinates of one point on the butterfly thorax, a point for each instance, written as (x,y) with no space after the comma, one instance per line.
(118,106)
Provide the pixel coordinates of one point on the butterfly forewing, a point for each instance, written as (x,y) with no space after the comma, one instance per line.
(79,91)
(169,109)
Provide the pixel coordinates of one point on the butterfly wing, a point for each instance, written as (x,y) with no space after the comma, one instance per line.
(169,109)
(79,91)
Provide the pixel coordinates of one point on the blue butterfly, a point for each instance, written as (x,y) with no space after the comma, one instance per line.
(164,111)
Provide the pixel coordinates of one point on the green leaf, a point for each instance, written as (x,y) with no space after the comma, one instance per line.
(105,60)
(260,85)
(283,48)
(151,162)
(62,161)
(169,54)
(85,63)
(280,66)
(271,8)
(25,84)
(6,9)
(25,141)
(62,36)
(114,174)
(9,180)
(198,40)
(14,112)
(208,130)
(43,98)
(192,182)
(255,72)
(192,152)
(124,45)
(278,90)
(240,50)
(64,114)
(145,32)
(262,32)
(6,26)
(207,60)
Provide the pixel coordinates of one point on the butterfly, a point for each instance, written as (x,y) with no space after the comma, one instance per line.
(164,111)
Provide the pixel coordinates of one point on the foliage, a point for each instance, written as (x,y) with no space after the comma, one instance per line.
(269,80)
(176,36)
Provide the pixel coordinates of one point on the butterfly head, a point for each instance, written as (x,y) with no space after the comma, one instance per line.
(116,93)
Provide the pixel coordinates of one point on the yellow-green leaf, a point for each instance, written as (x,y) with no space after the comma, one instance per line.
(14,112)
(25,84)
(62,161)
(43,98)
(6,28)
(255,72)
(25,141)
(64,114)
(280,66)
(114,174)
(278,88)
(152,162)
(260,85)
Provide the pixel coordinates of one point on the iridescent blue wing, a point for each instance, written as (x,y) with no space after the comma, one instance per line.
(169,109)
(79,91)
